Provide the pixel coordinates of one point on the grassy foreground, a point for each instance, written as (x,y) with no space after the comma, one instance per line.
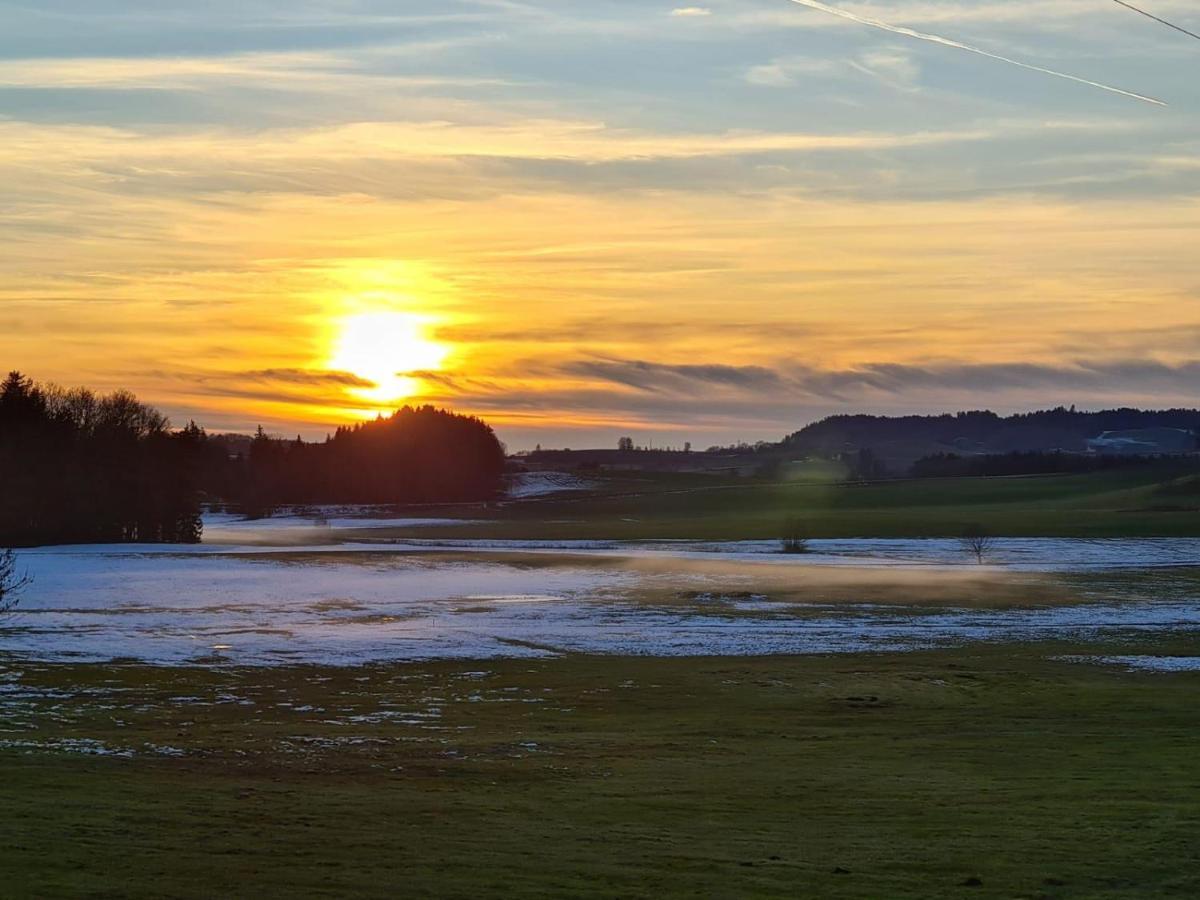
(1134,502)
(991,771)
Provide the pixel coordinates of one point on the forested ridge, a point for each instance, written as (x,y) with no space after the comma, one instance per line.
(79,467)
(1049,429)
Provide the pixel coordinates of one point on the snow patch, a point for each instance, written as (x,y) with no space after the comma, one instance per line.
(513,598)
(1143,663)
(541,484)
(319,525)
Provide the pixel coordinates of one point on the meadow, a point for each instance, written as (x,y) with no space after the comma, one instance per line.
(1136,502)
(335,709)
(995,770)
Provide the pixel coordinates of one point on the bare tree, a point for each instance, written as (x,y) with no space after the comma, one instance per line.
(12,582)
(977,541)
(794,539)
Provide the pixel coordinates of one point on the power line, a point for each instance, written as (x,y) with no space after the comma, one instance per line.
(1142,12)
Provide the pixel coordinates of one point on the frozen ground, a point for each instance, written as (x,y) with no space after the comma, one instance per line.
(543,484)
(1011,554)
(329,528)
(1144,663)
(356,603)
(320,525)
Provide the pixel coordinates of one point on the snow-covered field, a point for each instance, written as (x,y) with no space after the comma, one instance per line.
(359,603)
(320,526)
(329,528)
(542,484)
(1010,554)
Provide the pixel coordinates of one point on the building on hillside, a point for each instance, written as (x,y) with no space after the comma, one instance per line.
(1143,442)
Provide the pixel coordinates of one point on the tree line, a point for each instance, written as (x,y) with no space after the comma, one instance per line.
(419,454)
(952,465)
(1060,428)
(80,467)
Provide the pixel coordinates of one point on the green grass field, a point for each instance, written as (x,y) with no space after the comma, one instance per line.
(989,771)
(1124,503)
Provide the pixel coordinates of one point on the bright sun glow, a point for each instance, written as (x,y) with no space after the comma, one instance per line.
(382,347)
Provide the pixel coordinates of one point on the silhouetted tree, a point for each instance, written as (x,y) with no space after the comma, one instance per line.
(977,541)
(76,467)
(418,455)
(865,466)
(12,582)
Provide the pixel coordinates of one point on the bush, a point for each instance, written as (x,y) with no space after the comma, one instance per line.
(794,540)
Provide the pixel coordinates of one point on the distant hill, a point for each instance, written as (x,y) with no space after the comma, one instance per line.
(901,440)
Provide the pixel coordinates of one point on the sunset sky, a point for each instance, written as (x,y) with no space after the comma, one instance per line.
(582,220)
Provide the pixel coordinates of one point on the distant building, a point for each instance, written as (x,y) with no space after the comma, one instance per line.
(1143,442)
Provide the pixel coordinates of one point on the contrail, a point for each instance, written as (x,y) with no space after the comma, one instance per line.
(1148,15)
(947,42)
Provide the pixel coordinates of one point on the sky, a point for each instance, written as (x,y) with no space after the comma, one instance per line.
(578,220)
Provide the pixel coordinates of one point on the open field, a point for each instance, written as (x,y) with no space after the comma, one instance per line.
(992,771)
(879,718)
(1123,503)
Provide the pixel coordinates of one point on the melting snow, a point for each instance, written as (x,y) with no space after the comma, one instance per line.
(1144,663)
(541,484)
(319,526)
(244,605)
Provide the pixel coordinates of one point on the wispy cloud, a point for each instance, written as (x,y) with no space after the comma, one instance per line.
(591,141)
(606,207)
(863,383)
(756,401)
(312,70)
(959,45)
(649,376)
(304,377)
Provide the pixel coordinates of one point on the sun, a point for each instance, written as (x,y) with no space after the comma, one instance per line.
(381,347)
